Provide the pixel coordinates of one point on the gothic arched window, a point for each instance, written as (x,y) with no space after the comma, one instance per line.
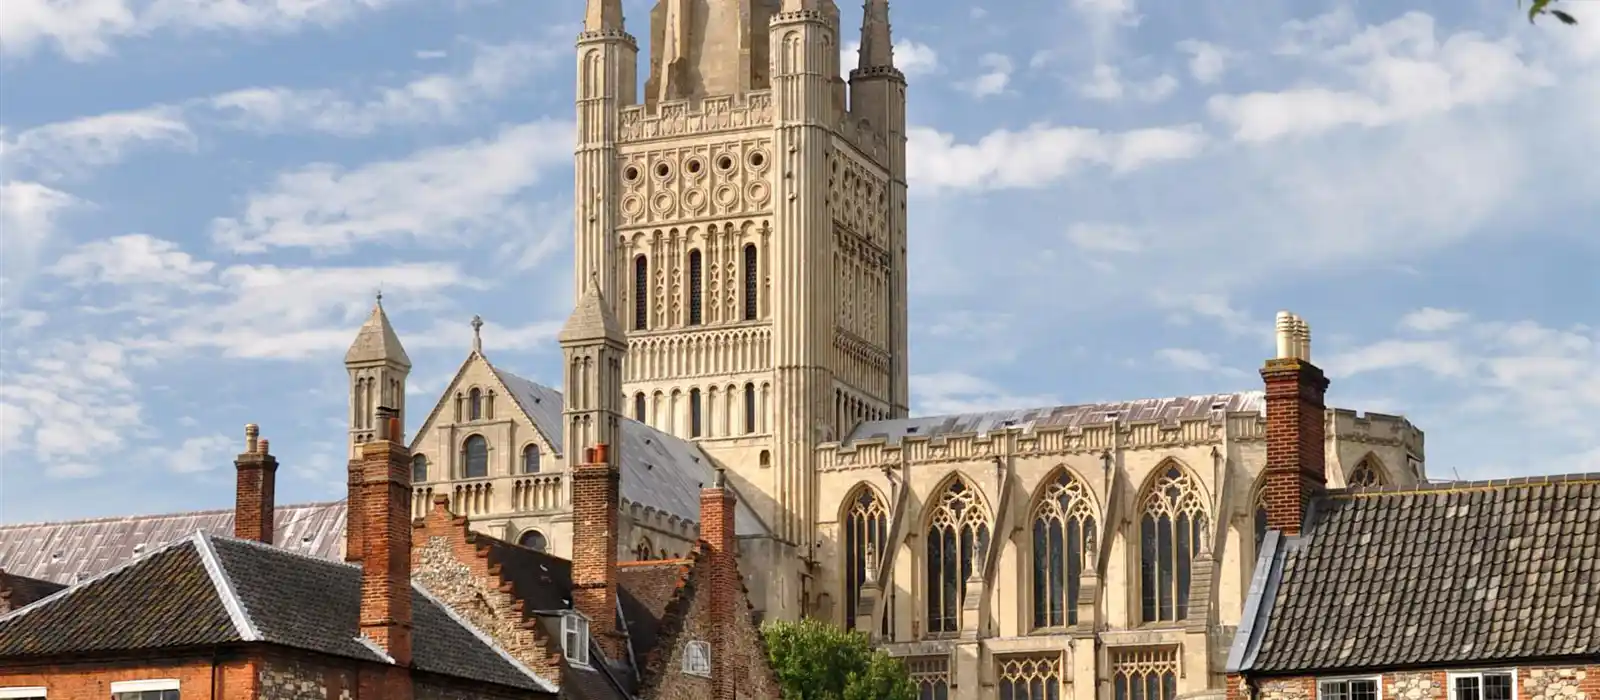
(866,533)
(475,458)
(750,277)
(419,468)
(534,540)
(1173,519)
(644,551)
(694,413)
(474,405)
(1063,530)
(750,407)
(638,407)
(1260,515)
(958,535)
(641,293)
(694,287)
(530,459)
(1366,474)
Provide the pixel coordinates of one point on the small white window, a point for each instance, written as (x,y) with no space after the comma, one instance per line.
(575,638)
(1348,689)
(1484,685)
(697,659)
(166,689)
(34,692)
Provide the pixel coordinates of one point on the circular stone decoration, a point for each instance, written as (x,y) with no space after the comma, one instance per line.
(727,196)
(633,206)
(757,160)
(757,192)
(694,199)
(662,203)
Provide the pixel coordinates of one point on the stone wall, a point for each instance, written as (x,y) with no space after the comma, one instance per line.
(283,678)
(1569,683)
(1415,686)
(1287,689)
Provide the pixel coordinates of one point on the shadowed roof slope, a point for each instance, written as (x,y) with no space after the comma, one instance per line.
(17,591)
(1443,574)
(893,430)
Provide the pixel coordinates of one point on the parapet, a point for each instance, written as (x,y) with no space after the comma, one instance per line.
(675,118)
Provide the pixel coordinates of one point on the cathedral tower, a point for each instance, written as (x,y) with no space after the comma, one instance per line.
(378,367)
(747,226)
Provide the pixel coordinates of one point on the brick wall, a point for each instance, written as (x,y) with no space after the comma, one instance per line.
(740,660)
(1296,464)
(596,495)
(1569,682)
(235,678)
(295,677)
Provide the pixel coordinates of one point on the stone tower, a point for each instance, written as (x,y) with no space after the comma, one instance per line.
(745,220)
(378,367)
(593,345)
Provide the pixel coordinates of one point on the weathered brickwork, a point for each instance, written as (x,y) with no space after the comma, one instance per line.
(1415,686)
(234,679)
(740,654)
(674,683)
(299,679)
(1569,683)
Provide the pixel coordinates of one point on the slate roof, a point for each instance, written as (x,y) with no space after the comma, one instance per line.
(204,591)
(1167,410)
(17,591)
(1444,574)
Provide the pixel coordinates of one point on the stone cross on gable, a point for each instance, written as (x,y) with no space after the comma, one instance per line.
(477,333)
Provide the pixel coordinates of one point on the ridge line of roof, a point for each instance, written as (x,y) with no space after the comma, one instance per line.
(1448,487)
(224,587)
(289,552)
(69,590)
(541,681)
(154,516)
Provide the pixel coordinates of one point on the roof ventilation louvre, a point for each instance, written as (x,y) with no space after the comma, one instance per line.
(1111,415)
(138,548)
(911,430)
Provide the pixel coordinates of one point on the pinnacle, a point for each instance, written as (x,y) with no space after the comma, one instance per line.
(591,318)
(377,342)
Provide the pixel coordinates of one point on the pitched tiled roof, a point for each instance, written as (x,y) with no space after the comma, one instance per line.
(17,591)
(1173,409)
(1445,574)
(205,590)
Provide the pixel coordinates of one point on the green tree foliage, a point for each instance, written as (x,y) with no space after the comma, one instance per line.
(1544,7)
(817,661)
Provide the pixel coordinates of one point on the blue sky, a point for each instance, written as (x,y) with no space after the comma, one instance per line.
(1110,200)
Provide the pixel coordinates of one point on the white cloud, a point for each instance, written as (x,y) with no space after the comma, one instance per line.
(943,393)
(1104,238)
(83,30)
(1194,361)
(997,69)
(1431,320)
(1401,71)
(1207,61)
(70,147)
(1039,155)
(29,212)
(911,57)
(194,455)
(1104,19)
(130,259)
(439,194)
(1106,84)
(1185,308)
(67,402)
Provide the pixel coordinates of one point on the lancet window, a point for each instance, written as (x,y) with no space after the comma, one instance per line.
(1172,522)
(638,407)
(749,407)
(419,468)
(958,536)
(750,277)
(475,457)
(474,405)
(641,293)
(1063,531)
(530,459)
(1260,516)
(694,413)
(696,277)
(1031,677)
(866,533)
(1145,674)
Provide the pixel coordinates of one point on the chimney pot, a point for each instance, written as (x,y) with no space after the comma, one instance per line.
(263,447)
(251,431)
(600,453)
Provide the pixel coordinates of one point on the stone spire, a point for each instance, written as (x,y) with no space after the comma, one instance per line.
(377,341)
(708,48)
(877,45)
(603,16)
(592,318)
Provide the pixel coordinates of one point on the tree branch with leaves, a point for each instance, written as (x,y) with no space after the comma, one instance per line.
(1546,7)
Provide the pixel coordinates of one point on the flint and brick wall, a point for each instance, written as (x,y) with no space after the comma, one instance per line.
(1570,682)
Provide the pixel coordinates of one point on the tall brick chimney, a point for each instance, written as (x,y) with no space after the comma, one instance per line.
(721,545)
(1296,439)
(385,513)
(255,488)
(596,495)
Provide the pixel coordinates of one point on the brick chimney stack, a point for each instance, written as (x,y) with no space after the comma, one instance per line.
(385,512)
(255,488)
(1296,434)
(596,496)
(721,545)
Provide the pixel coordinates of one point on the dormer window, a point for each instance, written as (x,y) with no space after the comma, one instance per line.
(697,659)
(575,638)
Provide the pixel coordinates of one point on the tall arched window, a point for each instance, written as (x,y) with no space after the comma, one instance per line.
(475,458)
(1063,530)
(474,405)
(1366,474)
(694,413)
(750,277)
(530,459)
(641,293)
(638,407)
(534,540)
(866,533)
(1173,521)
(958,535)
(694,288)
(750,407)
(419,469)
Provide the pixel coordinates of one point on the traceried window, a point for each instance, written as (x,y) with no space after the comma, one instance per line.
(1031,678)
(1063,530)
(866,532)
(1366,474)
(1173,521)
(474,457)
(1261,517)
(694,413)
(1145,674)
(931,675)
(575,638)
(534,540)
(474,405)
(697,658)
(695,278)
(641,293)
(750,280)
(1488,685)
(530,459)
(749,407)
(638,407)
(645,550)
(419,468)
(958,536)
(1353,689)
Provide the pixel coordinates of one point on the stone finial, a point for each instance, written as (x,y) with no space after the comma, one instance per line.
(877,46)
(377,342)
(477,334)
(251,433)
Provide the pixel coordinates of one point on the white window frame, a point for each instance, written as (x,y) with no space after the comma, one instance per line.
(27,692)
(1346,679)
(140,686)
(574,624)
(1450,680)
(704,650)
